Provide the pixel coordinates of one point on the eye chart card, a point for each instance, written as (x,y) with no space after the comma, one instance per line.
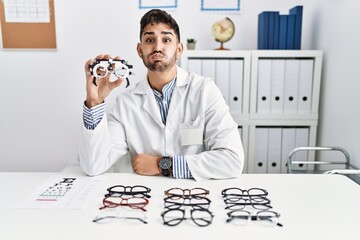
(60,192)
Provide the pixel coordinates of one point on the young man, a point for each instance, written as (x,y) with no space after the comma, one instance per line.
(172,123)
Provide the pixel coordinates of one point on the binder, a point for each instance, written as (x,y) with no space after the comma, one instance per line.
(305,85)
(222,78)
(301,140)
(236,85)
(194,65)
(298,12)
(261,149)
(288,144)
(292,68)
(277,86)
(274,150)
(290,32)
(263,30)
(273,41)
(264,86)
(283,20)
(208,68)
(276,29)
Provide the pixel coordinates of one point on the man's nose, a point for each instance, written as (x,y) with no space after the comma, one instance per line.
(158,45)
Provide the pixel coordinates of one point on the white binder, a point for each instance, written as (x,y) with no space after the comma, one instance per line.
(301,140)
(208,68)
(274,150)
(264,86)
(288,144)
(194,65)
(261,150)
(277,86)
(236,85)
(223,77)
(291,85)
(305,85)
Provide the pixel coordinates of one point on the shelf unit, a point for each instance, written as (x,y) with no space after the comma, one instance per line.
(244,77)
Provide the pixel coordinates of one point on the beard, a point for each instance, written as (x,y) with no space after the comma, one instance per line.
(157,65)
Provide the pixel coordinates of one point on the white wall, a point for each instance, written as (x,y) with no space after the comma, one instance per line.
(338,34)
(41,92)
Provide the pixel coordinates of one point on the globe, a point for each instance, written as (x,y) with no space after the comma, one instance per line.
(223,31)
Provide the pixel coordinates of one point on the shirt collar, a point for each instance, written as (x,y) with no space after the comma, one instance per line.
(167,89)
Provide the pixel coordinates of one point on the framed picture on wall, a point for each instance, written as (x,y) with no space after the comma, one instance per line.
(147,4)
(220,5)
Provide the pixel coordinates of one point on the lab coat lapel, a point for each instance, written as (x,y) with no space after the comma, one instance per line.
(149,103)
(182,80)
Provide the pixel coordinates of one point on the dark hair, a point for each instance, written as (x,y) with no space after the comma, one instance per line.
(158,16)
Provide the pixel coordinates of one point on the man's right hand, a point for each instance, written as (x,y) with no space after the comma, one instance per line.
(96,95)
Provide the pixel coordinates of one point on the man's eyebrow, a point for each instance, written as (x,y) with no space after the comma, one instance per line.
(153,33)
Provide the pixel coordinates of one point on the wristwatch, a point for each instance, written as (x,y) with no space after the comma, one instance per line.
(165,165)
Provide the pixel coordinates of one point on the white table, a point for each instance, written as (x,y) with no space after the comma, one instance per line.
(311,207)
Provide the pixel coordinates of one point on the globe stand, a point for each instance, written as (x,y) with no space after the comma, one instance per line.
(222,47)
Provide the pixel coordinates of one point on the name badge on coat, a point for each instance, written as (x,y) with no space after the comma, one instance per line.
(192,133)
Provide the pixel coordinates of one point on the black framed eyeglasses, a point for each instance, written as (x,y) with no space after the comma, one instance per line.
(174,202)
(187,193)
(200,216)
(235,192)
(266,218)
(136,191)
(261,203)
(132,202)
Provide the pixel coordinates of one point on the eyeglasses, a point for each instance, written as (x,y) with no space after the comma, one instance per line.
(132,202)
(200,216)
(266,218)
(136,191)
(187,193)
(240,193)
(174,202)
(131,216)
(261,203)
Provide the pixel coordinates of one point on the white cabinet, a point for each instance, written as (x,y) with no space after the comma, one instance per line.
(273,95)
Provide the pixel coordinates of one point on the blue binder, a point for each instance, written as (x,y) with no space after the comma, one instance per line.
(298,12)
(290,32)
(283,20)
(263,30)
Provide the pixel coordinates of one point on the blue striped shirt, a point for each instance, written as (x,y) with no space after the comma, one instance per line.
(92,117)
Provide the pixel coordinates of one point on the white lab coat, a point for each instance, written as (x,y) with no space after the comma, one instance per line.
(199,127)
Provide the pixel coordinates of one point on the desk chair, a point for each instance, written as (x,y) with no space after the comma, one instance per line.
(340,166)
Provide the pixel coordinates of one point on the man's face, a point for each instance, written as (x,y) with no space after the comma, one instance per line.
(159,47)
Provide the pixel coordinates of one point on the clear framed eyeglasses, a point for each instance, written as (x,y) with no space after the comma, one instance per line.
(132,202)
(130,216)
(243,217)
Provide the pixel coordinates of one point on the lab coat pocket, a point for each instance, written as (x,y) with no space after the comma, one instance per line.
(192,133)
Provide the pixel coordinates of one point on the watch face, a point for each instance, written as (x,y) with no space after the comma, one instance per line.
(165,163)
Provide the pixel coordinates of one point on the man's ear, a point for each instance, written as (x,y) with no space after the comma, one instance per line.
(180,49)
(138,49)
